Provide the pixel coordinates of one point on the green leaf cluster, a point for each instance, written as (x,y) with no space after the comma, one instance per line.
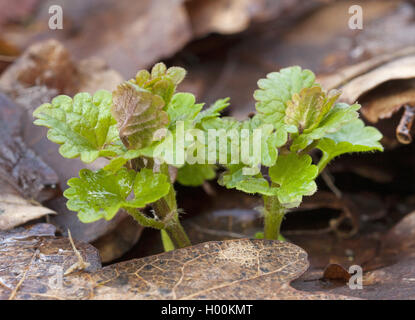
(303,117)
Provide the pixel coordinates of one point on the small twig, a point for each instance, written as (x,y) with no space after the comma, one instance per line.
(14,292)
(80,264)
(328,179)
(403,131)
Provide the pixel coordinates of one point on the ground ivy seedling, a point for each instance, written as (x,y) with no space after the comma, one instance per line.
(303,117)
(121,126)
(140,128)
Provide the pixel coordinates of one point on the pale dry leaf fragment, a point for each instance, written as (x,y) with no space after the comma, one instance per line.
(387,99)
(402,68)
(15,210)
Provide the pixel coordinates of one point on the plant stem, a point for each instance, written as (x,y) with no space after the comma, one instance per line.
(166,209)
(273,216)
(177,234)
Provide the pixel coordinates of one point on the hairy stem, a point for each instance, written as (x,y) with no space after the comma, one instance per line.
(166,210)
(273,216)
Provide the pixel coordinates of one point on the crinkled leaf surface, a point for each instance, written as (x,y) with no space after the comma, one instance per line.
(252,133)
(161,81)
(83,126)
(294,174)
(335,119)
(352,137)
(139,115)
(100,194)
(277,89)
(183,107)
(308,107)
(195,174)
(148,187)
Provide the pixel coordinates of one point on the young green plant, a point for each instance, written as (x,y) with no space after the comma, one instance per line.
(129,127)
(295,116)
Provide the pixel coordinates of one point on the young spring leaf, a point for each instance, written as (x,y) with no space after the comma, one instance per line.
(161,81)
(100,194)
(234,178)
(194,175)
(335,119)
(352,137)
(307,108)
(294,175)
(277,89)
(183,107)
(148,187)
(83,126)
(139,115)
(213,111)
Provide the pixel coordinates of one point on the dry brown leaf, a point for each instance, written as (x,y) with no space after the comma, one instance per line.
(23,175)
(232,16)
(15,210)
(336,272)
(382,84)
(401,68)
(44,63)
(387,99)
(94,75)
(389,274)
(347,74)
(237,269)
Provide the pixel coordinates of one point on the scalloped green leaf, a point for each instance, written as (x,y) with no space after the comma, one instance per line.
(139,115)
(277,89)
(335,119)
(234,178)
(183,107)
(294,176)
(352,137)
(83,126)
(100,194)
(213,111)
(307,108)
(195,174)
(148,188)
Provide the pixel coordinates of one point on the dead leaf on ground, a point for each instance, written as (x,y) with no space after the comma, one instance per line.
(336,272)
(16,210)
(389,273)
(229,16)
(237,269)
(24,177)
(44,63)
(47,69)
(383,85)
(129,35)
